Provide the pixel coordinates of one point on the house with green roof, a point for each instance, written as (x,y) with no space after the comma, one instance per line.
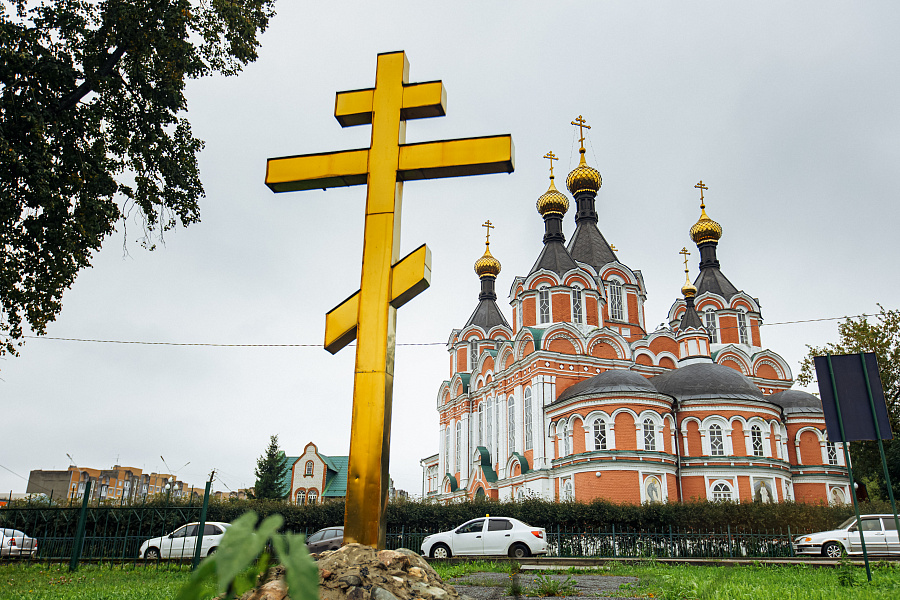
(315,477)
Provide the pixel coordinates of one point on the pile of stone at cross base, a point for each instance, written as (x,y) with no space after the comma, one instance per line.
(358,572)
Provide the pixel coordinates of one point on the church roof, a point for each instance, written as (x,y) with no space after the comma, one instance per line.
(336,477)
(703,381)
(690,319)
(796,401)
(712,280)
(590,247)
(487,315)
(614,380)
(554,257)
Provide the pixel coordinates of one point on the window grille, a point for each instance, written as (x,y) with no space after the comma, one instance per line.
(458,444)
(756,440)
(527,419)
(567,490)
(311,497)
(301,496)
(616,308)
(599,434)
(480,440)
(511,425)
(649,435)
(567,450)
(447,448)
(716,441)
(832,453)
(473,354)
(544,297)
(710,315)
(721,491)
(742,327)
(577,312)
(309,467)
(488,429)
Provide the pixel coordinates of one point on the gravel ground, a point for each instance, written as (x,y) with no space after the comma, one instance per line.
(492,586)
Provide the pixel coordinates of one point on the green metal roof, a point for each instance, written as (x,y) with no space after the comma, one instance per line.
(286,480)
(465,377)
(538,335)
(523,462)
(453,485)
(486,466)
(336,477)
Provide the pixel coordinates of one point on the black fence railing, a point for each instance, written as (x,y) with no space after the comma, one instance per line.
(116,533)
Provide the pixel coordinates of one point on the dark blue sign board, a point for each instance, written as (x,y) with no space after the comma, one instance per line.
(850,381)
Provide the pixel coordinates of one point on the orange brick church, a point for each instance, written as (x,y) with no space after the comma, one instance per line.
(577,399)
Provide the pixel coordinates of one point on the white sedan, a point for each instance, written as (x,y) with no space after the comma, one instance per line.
(501,536)
(182,542)
(879,533)
(15,543)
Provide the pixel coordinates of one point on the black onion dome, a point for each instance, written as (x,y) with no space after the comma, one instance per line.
(614,380)
(706,381)
(796,401)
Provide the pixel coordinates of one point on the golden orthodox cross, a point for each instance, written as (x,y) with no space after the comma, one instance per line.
(702,187)
(551,157)
(684,252)
(582,125)
(488,226)
(386,283)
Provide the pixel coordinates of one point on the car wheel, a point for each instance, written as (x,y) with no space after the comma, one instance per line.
(519,551)
(832,550)
(151,554)
(212,550)
(440,551)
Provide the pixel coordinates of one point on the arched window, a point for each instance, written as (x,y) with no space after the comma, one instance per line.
(742,327)
(511,424)
(832,453)
(488,430)
(756,440)
(577,311)
(710,314)
(721,491)
(527,419)
(447,448)
(519,309)
(309,468)
(716,440)
(616,306)
(301,496)
(544,301)
(564,434)
(599,434)
(520,494)
(312,496)
(480,440)
(473,354)
(567,493)
(649,435)
(458,445)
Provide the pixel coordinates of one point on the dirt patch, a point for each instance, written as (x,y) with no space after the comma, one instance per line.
(493,586)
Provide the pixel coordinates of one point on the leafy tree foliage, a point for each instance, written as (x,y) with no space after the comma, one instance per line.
(271,470)
(880,335)
(93,130)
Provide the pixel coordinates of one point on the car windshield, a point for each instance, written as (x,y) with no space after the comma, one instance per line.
(847,523)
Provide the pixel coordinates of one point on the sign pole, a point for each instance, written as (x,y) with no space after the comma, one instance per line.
(846,445)
(887,477)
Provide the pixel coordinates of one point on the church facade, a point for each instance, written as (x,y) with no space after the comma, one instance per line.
(575,398)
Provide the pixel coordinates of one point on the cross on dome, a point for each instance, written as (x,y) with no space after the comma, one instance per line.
(551,157)
(701,187)
(684,252)
(488,226)
(582,125)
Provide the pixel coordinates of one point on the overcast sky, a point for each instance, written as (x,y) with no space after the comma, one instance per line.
(788,111)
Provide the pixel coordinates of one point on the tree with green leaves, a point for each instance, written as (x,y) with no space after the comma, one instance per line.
(271,470)
(93,130)
(880,334)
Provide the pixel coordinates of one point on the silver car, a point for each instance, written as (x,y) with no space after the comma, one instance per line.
(879,533)
(15,543)
(182,542)
(496,536)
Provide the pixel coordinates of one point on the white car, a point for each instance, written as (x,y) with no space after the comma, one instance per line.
(15,543)
(879,533)
(498,536)
(182,542)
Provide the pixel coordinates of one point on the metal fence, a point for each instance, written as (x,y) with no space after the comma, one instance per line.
(115,533)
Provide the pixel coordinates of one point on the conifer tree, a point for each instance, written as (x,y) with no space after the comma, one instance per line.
(271,471)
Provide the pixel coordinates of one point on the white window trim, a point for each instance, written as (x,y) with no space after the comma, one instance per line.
(528,418)
(726,438)
(540,314)
(578,291)
(657,432)
(747,336)
(714,334)
(624,298)
(716,482)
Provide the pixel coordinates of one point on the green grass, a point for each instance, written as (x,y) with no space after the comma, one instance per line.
(90,582)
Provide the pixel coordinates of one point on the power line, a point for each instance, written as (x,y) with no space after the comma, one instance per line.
(215,345)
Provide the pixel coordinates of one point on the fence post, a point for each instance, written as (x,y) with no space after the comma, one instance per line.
(200,528)
(615,552)
(791,541)
(730,550)
(79,531)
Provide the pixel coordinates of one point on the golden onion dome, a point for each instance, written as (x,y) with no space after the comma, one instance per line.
(552,201)
(487,265)
(583,178)
(705,229)
(688,290)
